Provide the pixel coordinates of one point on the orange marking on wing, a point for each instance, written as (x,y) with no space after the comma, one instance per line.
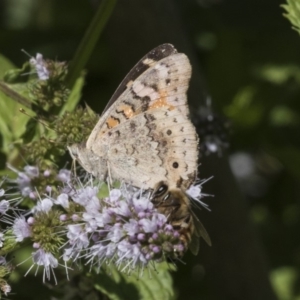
(127,110)
(112,122)
(162,102)
(129,84)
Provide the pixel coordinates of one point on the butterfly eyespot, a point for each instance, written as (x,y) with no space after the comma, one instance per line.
(169,132)
(175,165)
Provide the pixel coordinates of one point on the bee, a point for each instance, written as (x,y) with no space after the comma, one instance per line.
(175,204)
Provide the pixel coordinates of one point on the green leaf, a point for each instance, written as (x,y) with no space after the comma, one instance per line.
(30,131)
(75,95)
(282,115)
(5,65)
(284,279)
(153,285)
(278,74)
(12,121)
(293,13)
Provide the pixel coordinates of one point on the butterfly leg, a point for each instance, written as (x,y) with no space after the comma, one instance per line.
(73,167)
(109,178)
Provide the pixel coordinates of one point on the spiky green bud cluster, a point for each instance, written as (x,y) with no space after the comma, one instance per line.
(42,182)
(45,230)
(9,244)
(43,151)
(76,126)
(50,94)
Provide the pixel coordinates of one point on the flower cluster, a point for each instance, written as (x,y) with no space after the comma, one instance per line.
(75,224)
(33,181)
(50,91)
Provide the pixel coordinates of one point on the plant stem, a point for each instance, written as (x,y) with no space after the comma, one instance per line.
(89,41)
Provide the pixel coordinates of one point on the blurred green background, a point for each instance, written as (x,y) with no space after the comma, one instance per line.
(246,57)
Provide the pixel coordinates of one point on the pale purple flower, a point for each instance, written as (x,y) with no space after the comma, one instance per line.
(40,66)
(47,173)
(48,189)
(115,233)
(64,175)
(77,236)
(63,217)
(24,183)
(24,180)
(4,206)
(123,209)
(194,191)
(93,204)
(84,195)
(36,245)
(21,229)
(132,227)
(30,220)
(45,259)
(148,225)
(44,205)
(114,195)
(63,200)
(32,171)
(142,204)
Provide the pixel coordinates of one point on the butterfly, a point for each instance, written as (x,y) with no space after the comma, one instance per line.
(145,136)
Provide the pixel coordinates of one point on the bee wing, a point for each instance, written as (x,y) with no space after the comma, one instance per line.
(200,231)
(194,244)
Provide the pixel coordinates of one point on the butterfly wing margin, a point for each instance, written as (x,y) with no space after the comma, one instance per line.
(144,63)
